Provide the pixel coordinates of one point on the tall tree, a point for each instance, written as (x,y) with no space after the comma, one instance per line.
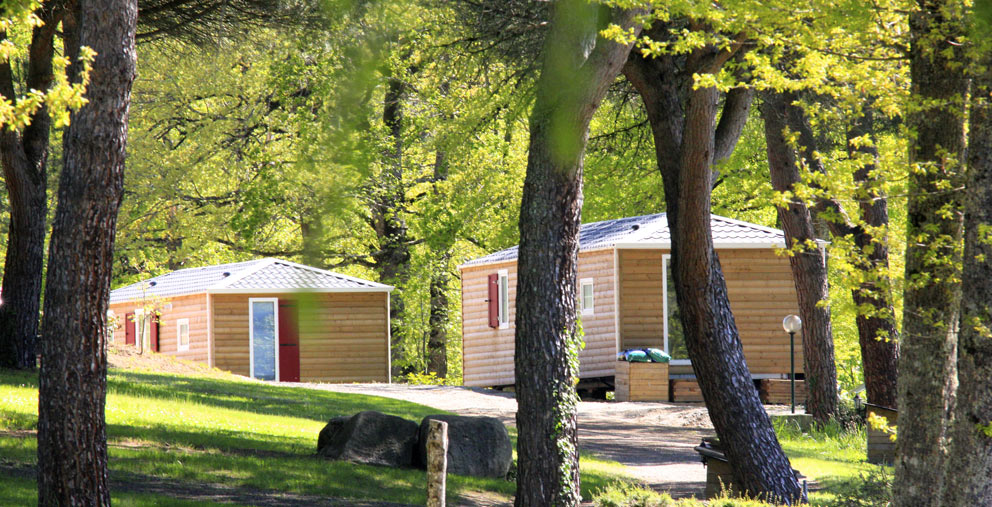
(24,156)
(968,474)
(688,140)
(387,197)
(808,261)
(878,336)
(933,256)
(72,441)
(578,65)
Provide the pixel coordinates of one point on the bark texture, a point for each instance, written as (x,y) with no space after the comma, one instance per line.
(72,447)
(577,68)
(686,136)
(969,471)
(24,157)
(933,256)
(441,248)
(878,336)
(437,341)
(391,256)
(807,260)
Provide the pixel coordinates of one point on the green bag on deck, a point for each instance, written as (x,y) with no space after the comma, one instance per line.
(637,356)
(658,355)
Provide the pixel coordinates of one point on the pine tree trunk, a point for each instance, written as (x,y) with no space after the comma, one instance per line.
(809,267)
(933,257)
(24,157)
(682,122)
(23,267)
(969,469)
(578,66)
(712,339)
(72,445)
(878,336)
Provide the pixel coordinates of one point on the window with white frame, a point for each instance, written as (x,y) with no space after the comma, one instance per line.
(504,299)
(587,304)
(182,335)
(674,335)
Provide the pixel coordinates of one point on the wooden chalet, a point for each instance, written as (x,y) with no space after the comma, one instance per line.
(627,300)
(268,319)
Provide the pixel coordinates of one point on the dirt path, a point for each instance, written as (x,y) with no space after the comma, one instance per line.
(653,440)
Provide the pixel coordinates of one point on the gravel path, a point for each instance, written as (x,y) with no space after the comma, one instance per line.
(653,440)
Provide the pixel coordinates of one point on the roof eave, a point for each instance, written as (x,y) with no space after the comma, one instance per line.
(655,245)
(385,288)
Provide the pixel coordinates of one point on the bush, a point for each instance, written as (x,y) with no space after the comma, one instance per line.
(871,489)
(625,494)
(424,379)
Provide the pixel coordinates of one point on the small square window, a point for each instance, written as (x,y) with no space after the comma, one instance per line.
(182,334)
(587,304)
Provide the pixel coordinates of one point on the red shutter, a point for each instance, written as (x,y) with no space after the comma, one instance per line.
(493,300)
(153,335)
(129,329)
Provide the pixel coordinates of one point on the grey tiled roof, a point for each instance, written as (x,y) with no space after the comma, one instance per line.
(259,275)
(652,230)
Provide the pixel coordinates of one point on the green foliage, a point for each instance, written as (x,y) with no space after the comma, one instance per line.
(426,379)
(625,494)
(871,488)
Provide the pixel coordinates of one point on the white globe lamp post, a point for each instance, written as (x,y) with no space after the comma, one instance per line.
(792,325)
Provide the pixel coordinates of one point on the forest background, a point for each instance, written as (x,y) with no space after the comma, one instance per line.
(390,143)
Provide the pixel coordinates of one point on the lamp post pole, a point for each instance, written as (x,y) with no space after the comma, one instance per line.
(792,369)
(792,324)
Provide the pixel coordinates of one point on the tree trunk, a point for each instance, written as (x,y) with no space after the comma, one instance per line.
(437,342)
(969,470)
(683,124)
(392,253)
(932,295)
(72,446)
(24,157)
(809,267)
(578,66)
(877,332)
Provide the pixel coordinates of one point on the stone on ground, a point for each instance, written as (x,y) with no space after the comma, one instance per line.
(477,446)
(369,437)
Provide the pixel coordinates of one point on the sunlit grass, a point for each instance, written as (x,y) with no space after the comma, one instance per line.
(219,429)
(833,456)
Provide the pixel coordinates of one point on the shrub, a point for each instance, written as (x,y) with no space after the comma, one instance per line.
(625,494)
(871,489)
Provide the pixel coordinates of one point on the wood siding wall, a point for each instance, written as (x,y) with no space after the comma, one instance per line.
(192,307)
(761,291)
(487,353)
(343,336)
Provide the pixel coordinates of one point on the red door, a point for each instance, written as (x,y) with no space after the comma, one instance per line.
(129,329)
(289,341)
(153,333)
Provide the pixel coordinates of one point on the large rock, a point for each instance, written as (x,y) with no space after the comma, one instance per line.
(369,437)
(477,446)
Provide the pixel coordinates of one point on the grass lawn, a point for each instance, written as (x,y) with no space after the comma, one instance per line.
(221,429)
(832,457)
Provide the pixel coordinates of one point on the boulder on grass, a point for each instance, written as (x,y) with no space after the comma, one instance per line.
(369,437)
(477,446)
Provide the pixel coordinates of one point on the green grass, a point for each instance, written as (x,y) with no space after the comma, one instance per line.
(220,429)
(831,455)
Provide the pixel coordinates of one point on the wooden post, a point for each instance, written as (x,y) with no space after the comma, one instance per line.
(437,462)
